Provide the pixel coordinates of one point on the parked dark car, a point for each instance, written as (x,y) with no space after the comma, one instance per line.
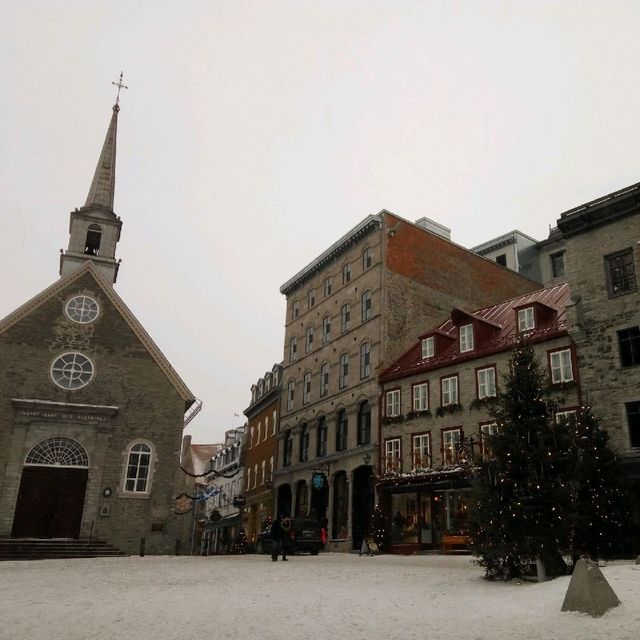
(304,537)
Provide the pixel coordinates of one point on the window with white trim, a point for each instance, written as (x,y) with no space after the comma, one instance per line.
(392,461)
(561,368)
(526,321)
(255,475)
(486,431)
(311,298)
(421,453)
(566,417)
(248,478)
(308,342)
(266,428)
(293,349)
(82,309)
(486,383)
(421,396)
(327,286)
(258,432)
(251,434)
(273,423)
(138,468)
(450,442)
(466,338)
(263,467)
(392,403)
(449,390)
(72,370)
(295,309)
(427,348)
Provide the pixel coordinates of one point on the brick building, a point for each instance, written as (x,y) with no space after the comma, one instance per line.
(435,401)
(91,412)
(260,451)
(357,306)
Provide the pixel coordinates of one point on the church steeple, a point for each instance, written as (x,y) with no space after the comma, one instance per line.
(94,229)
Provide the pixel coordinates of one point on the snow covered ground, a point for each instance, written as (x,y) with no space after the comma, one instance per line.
(329,597)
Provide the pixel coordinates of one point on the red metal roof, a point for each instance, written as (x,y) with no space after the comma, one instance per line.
(502,317)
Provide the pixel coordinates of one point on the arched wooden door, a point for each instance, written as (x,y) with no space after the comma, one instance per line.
(52,490)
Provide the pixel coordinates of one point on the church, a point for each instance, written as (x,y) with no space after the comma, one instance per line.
(91,411)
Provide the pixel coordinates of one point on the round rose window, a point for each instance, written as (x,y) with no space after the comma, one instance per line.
(82,309)
(72,370)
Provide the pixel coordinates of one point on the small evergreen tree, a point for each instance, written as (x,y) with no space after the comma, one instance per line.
(378,528)
(601,523)
(522,503)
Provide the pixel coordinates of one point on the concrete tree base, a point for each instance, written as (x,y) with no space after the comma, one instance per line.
(589,592)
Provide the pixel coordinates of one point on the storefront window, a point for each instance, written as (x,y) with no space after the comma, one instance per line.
(404,521)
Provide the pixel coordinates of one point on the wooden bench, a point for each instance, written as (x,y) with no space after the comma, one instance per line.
(450,541)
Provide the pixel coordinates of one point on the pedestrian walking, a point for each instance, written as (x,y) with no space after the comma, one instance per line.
(280,538)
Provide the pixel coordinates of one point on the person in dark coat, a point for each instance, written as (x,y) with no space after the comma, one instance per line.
(280,538)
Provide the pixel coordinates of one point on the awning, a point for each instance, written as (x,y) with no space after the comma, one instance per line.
(227,521)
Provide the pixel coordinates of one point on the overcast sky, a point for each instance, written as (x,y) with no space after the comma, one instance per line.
(255,133)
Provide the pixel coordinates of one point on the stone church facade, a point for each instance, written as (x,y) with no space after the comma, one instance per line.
(91,412)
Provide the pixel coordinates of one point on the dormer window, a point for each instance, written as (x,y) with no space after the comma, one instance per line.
(427,348)
(526,320)
(466,338)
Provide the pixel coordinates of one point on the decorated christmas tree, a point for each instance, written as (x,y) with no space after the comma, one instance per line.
(522,505)
(241,542)
(378,529)
(601,515)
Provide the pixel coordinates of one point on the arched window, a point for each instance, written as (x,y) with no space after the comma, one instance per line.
(367,256)
(364,423)
(365,360)
(340,506)
(291,387)
(366,306)
(324,379)
(321,437)
(306,388)
(287,448)
(58,452)
(302,499)
(293,349)
(342,430)
(327,286)
(343,373)
(138,468)
(304,443)
(345,317)
(92,243)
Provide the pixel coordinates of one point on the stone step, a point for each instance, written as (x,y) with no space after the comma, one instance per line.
(40,549)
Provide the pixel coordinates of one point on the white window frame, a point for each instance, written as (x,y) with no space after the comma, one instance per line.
(421,396)
(293,349)
(308,340)
(466,337)
(392,461)
(526,319)
(449,393)
(450,445)
(345,317)
(485,431)
(148,453)
(366,306)
(311,298)
(343,371)
(264,466)
(365,360)
(248,478)
(392,403)
(428,347)
(273,422)
(326,329)
(486,382)
(561,366)
(421,451)
(324,379)
(266,428)
(571,415)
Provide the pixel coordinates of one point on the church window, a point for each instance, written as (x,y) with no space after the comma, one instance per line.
(58,452)
(138,466)
(82,309)
(92,244)
(72,370)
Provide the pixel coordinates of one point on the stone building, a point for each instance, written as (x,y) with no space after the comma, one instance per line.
(601,242)
(223,512)
(91,412)
(357,306)
(260,451)
(435,407)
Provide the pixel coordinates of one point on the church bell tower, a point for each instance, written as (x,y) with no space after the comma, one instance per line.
(94,229)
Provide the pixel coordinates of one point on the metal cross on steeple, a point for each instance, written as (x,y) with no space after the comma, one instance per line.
(120,85)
